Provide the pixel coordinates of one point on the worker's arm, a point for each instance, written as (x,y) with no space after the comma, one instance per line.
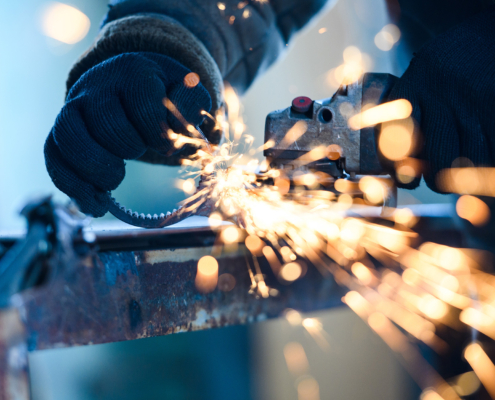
(451,86)
(115,109)
(221,40)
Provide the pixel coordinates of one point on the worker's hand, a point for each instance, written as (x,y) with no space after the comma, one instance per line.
(114,112)
(451,86)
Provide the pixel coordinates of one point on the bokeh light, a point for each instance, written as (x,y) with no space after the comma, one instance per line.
(397,109)
(191,79)
(291,272)
(65,23)
(230,235)
(473,209)
(396,139)
(387,37)
(308,389)
(207,274)
(295,357)
(482,366)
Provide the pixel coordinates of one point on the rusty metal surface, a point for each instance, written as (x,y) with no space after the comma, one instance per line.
(115,296)
(140,283)
(151,239)
(14,378)
(138,239)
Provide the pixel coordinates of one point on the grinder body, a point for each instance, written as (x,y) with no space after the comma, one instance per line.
(326,123)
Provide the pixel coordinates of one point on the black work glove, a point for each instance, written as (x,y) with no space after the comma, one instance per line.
(451,86)
(115,112)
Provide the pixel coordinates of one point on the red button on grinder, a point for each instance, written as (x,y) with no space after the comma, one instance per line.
(301,104)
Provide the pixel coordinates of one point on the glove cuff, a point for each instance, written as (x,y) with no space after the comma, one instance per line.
(157,34)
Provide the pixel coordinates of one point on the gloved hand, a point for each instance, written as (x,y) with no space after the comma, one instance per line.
(451,86)
(115,112)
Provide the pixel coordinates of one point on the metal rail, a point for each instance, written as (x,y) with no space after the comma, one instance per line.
(134,284)
(140,283)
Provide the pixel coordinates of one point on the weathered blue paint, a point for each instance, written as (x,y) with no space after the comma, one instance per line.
(117,264)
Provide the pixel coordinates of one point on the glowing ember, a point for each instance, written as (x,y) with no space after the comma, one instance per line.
(482,366)
(398,109)
(191,80)
(296,359)
(467,384)
(362,273)
(396,139)
(406,173)
(189,186)
(215,220)
(431,395)
(293,317)
(404,216)
(230,235)
(308,389)
(473,209)
(207,275)
(387,37)
(355,64)
(291,271)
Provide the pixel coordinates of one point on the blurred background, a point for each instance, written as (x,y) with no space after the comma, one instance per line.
(232,363)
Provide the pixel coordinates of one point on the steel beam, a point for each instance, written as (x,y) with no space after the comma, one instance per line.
(140,283)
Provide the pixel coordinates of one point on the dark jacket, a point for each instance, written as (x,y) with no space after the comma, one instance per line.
(236,40)
(422,20)
(231,40)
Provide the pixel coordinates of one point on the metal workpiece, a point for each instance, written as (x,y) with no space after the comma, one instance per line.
(22,266)
(141,283)
(50,236)
(14,375)
(165,218)
(157,221)
(141,220)
(199,204)
(115,296)
(120,285)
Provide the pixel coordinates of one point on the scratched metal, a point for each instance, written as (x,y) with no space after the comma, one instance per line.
(14,379)
(116,296)
(141,284)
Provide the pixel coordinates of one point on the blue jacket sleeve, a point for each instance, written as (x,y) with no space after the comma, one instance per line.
(221,40)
